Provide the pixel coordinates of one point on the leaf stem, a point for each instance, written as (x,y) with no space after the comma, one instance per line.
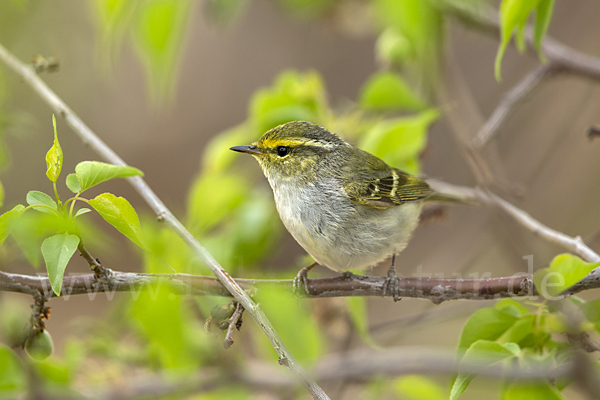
(57,196)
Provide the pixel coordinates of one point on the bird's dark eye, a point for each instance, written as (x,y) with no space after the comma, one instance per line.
(282,151)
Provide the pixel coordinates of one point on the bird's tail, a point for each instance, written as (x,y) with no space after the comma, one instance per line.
(446,193)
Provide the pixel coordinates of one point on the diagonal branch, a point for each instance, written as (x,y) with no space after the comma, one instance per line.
(28,75)
(467,194)
(511,100)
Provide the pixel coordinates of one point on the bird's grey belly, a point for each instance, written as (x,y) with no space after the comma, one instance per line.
(341,234)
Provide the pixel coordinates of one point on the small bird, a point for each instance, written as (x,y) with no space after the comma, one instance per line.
(347,208)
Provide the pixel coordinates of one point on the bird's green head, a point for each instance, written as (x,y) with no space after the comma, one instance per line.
(295,149)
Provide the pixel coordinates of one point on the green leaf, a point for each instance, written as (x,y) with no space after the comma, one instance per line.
(54,157)
(34,198)
(82,211)
(422,24)
(513,15)
(73,183)
(357,309)
(33,228)
(54,371)
(486,353)
(386,91)
(29,236)
(564,271)
(7,221)
(524,391)
(91,173)
(512,307)
(417,387)
(543,15)
(119,213)
(13,378)
(400,141)
(393,48)
(159,31)
(293,96)
(113,15)
(488,324)
(57,251)
(519,330)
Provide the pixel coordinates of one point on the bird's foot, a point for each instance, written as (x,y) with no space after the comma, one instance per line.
(391,286)
(300,284)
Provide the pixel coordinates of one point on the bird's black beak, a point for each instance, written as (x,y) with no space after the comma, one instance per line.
(250,149)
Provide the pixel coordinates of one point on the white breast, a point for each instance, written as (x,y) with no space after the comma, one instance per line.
(339,233)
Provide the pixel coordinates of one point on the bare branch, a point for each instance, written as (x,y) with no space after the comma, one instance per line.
(99,271)
(361,365)
(511,100)
(234,323)
(437,290)
(560,56)
(356,366)
(28,75)
(466,194)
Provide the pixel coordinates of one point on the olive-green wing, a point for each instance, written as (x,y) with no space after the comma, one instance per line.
(377,185)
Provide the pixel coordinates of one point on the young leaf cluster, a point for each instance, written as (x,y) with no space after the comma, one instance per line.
(514,15)
(58,248)
(514,332)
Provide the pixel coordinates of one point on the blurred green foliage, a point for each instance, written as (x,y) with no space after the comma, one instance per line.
(294,323)
(564,271)
(524,333)
(157,30)
(230,208)
(164,320)
(12,373)
(417,387)
(514,15)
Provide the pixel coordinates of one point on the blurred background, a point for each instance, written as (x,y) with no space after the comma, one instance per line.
(164,115)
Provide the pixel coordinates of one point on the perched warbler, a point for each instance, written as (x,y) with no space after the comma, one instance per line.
(347,208)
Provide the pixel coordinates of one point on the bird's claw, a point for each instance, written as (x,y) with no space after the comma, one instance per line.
(300,285)
(392,285)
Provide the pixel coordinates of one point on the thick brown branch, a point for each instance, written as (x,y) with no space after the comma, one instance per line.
(435,289)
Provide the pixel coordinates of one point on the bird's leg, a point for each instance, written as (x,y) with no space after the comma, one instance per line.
(391,284)
(301,280)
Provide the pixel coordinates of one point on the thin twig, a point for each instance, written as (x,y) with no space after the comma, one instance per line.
(511,100)
(28,75)
(584,341)
(99,271)
(234,323)
(466,194)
